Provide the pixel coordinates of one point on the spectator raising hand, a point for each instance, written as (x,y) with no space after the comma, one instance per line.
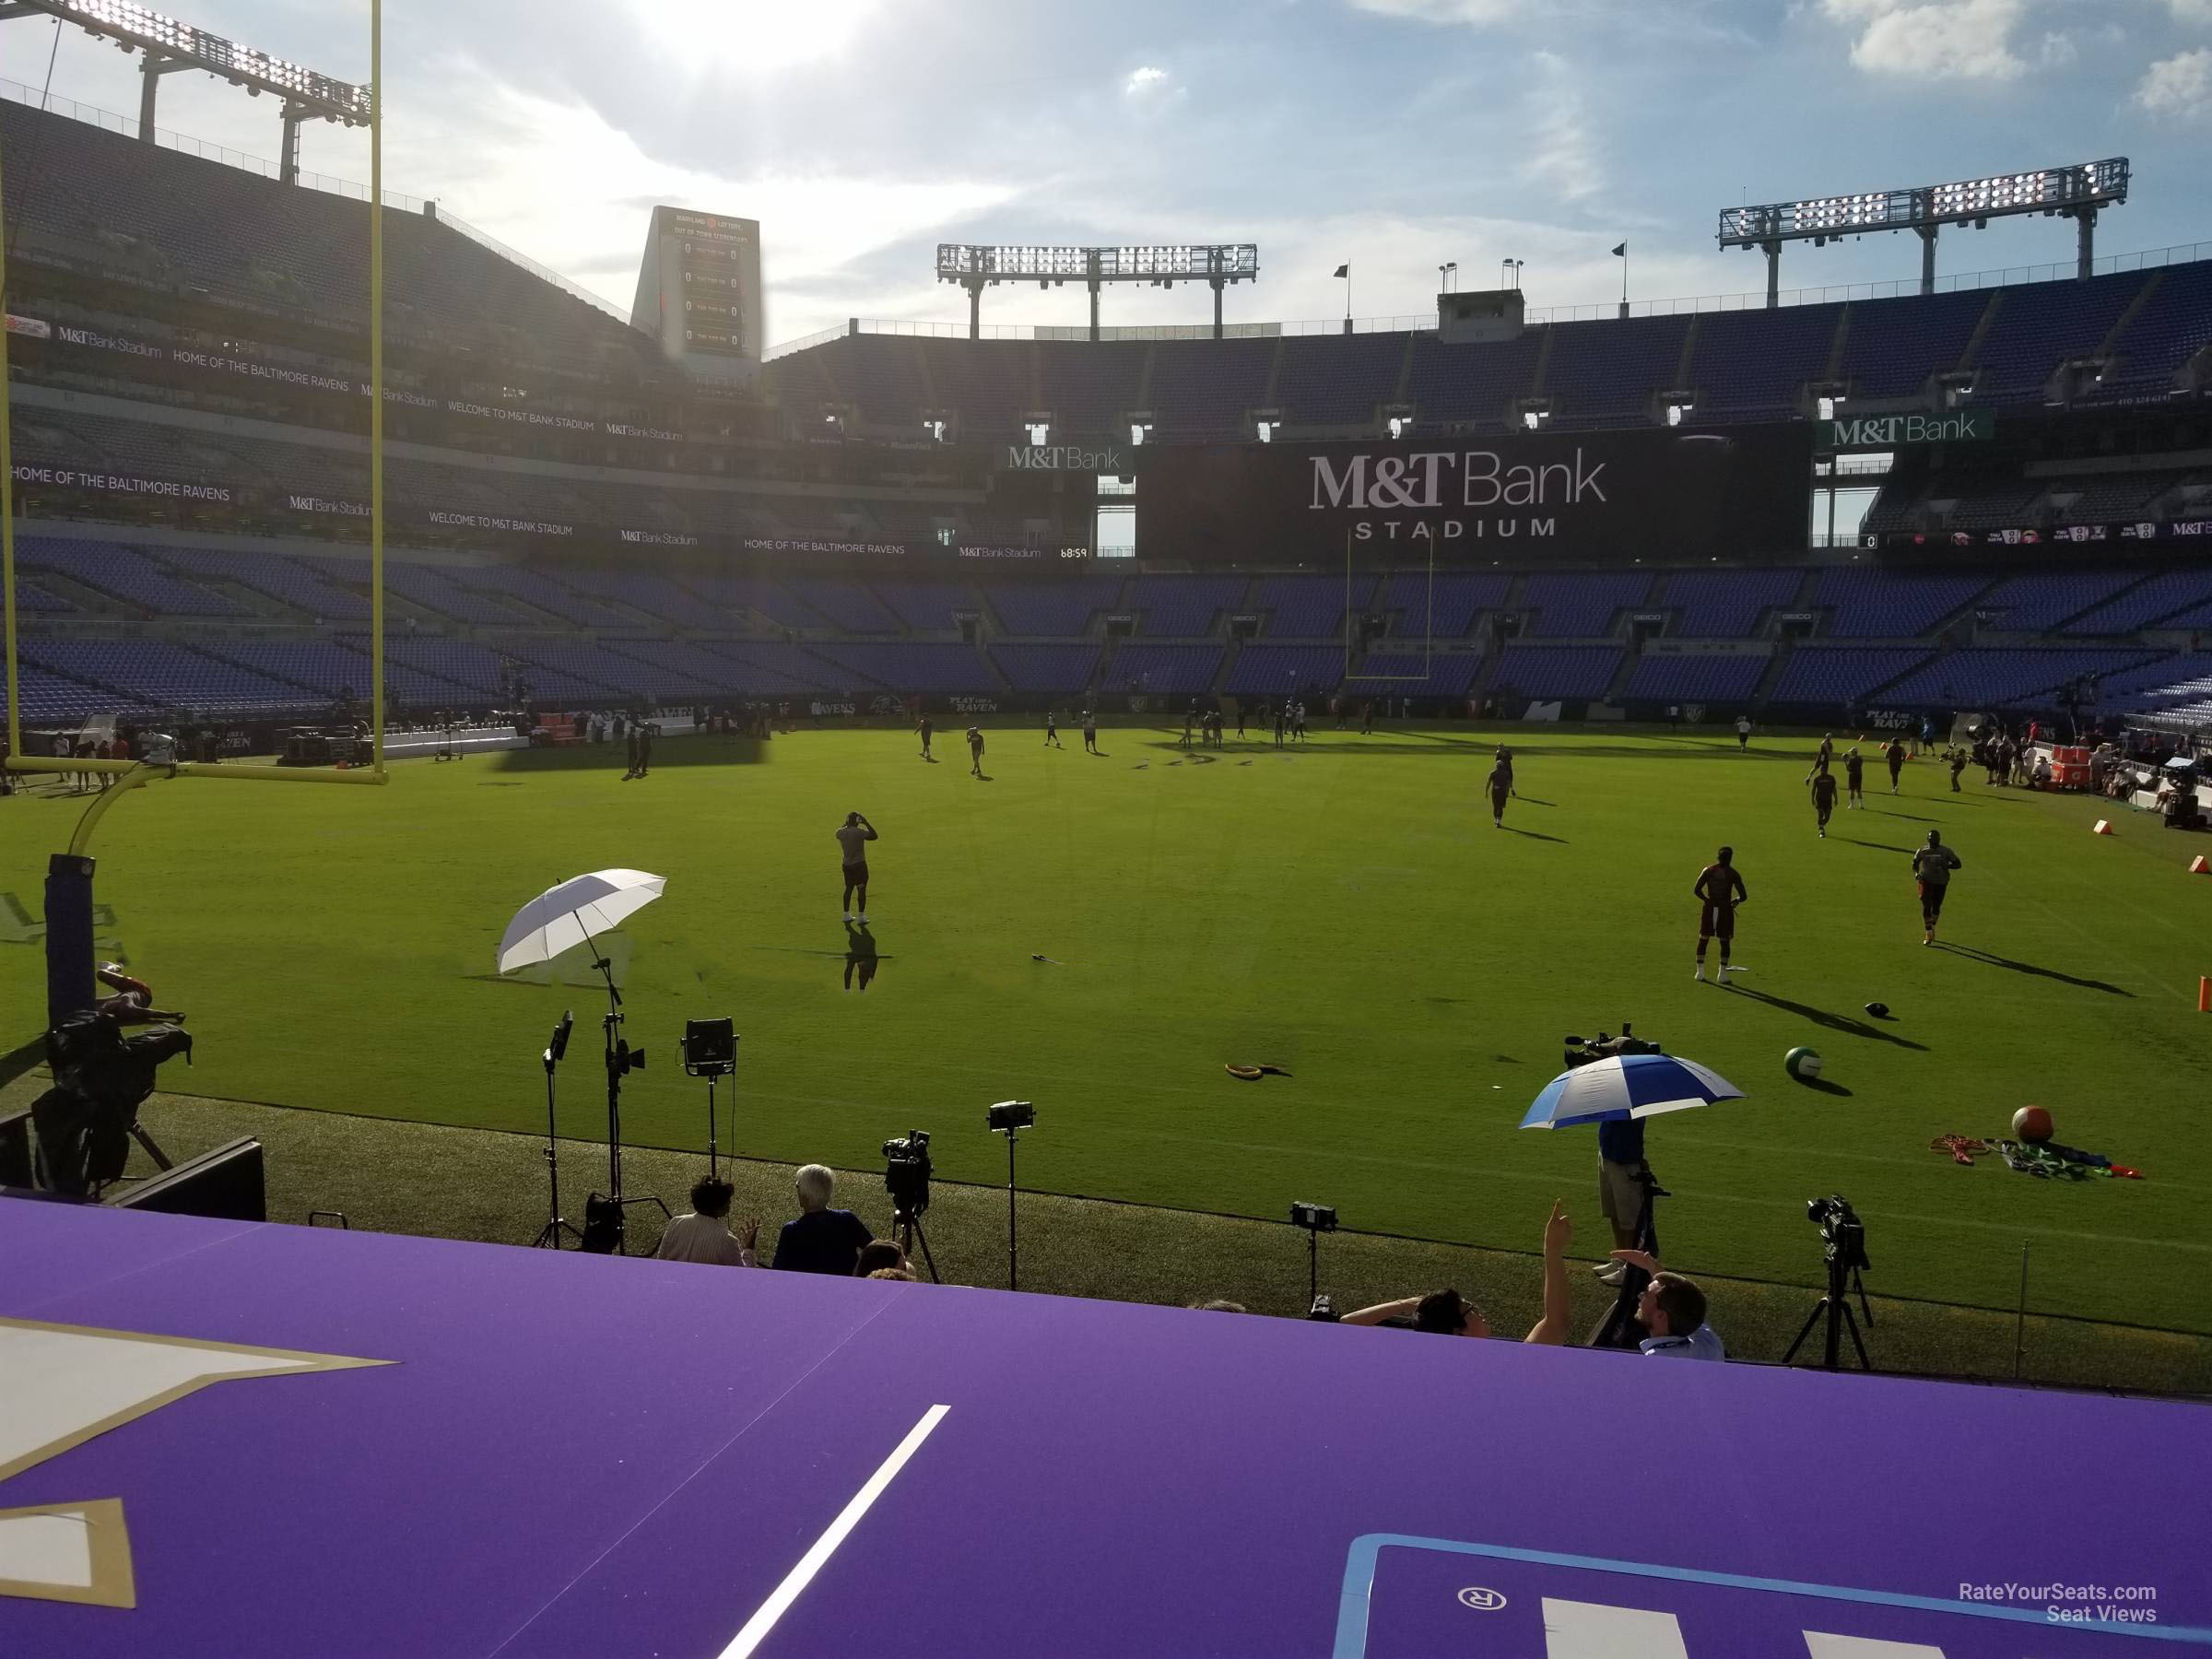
(1452,1314)
(1558,1233)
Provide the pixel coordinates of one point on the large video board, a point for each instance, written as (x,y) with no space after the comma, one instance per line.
(1595,496)
(699,292)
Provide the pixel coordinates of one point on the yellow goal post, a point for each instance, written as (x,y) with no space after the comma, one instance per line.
(1353,642)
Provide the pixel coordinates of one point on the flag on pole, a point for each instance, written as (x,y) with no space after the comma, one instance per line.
(1344,270)
(1621,252)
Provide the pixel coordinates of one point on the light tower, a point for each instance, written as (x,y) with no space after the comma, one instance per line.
(2078,193)
(169,45)
(975,268)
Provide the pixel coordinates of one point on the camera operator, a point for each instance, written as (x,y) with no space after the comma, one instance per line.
(820,1240)
(1622,1176)
(1673,1312)
(704,1235)
(1448,1313)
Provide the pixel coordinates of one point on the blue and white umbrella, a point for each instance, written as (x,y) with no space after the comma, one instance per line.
(1626,1086)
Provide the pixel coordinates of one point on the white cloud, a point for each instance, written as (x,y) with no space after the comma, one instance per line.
(748,36)
(1562,153)
(2058,50)
(2192,11)
(2178,88)
(1143,82)
(1478,11)
(557,182)
(1933,40)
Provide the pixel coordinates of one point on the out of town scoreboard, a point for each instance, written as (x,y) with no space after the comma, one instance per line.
(699,292)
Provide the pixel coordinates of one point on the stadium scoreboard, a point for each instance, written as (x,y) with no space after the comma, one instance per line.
(699,292)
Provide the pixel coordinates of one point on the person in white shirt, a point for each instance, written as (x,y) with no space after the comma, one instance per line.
(704,1235)
(1672,1313)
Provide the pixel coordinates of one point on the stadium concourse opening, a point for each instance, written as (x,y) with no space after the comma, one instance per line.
(1829,678)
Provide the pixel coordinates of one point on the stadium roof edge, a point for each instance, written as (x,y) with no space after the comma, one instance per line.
(68,108)
(1837,293)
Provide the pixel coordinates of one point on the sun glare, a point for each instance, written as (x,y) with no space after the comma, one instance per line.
(757,35)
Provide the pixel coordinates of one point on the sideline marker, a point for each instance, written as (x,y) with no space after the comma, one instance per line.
(2200,866)
(2104,826)
(2204,994)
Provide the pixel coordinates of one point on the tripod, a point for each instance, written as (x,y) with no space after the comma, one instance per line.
(1620,1328)
(603,1217)
(1842,1278)
(1316,1218)
(907,1225)
(1013,1277)
(556,1225)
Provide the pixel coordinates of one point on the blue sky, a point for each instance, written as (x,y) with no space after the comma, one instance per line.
(1395,135)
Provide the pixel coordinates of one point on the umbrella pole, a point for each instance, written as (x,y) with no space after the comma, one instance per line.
(617,1062)
(604,1218)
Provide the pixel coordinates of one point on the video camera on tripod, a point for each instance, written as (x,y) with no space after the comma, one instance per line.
(906,1179)
(1842,1234)
(86,1120)
(1583,1051)
(1844,1246)
(906,1171)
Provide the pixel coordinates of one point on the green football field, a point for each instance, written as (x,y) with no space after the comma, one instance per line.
(1344,910)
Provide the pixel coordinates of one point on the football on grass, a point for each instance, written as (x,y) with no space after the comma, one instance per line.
(2031,1124)
(1802,1064)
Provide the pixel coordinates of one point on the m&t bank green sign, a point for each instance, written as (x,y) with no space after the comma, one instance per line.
(1903,431)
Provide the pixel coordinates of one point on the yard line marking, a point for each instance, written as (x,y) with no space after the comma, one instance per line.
(757,1628)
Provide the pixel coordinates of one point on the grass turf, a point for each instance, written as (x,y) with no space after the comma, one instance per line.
(1345,911)
(474,1184)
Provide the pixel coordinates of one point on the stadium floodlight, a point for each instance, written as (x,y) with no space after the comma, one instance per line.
(171,45)
(976,267)
(2078,192)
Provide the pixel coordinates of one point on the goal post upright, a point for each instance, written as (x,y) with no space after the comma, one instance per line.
(376,384)
(131,773)
(69,878)
(7,513)
(1351,626)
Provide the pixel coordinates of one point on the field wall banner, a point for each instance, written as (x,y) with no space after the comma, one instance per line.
(1568,496)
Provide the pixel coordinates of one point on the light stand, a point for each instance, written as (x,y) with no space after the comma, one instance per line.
(1618,1328)
(1316,1218)
(556,1225)
(711,1051)
(603,1217)
(1005,1118)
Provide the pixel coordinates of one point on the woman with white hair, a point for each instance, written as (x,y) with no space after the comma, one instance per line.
(818,1239)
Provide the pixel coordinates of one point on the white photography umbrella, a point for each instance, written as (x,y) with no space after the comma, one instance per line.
(573,913)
